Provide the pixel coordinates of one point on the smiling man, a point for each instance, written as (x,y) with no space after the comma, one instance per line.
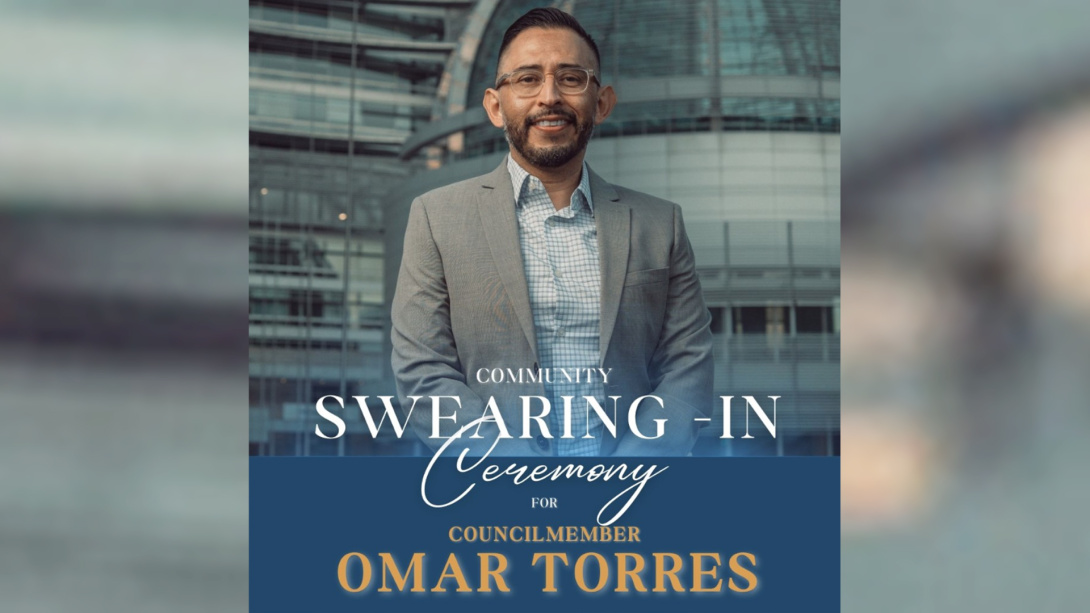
(542,267)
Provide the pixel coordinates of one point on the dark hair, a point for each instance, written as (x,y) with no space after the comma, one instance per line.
(548,18)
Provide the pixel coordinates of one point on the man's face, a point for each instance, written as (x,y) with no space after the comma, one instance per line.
(549,129)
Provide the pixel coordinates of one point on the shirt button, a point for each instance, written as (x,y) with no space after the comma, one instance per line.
(542,443)
(560,332)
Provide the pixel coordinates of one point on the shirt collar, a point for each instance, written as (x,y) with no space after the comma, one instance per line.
(523,180)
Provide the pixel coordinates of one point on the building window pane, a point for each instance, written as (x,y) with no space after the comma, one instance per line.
(813,319)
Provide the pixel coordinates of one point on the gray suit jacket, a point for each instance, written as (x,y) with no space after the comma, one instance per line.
(462,304)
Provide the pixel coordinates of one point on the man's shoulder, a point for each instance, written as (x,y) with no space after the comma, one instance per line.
(645,202)
(459,187)
(454,194)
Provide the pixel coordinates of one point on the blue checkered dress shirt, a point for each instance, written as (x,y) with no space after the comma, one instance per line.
(560,257)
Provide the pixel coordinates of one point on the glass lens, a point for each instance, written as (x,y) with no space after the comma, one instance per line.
(526,82)
(571,80)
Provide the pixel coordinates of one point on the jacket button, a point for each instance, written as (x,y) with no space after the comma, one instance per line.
(542,443)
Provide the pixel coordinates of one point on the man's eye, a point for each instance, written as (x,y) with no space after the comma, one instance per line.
(571,79)
(528,78)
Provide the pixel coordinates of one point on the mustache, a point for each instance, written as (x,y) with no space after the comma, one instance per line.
(568,115)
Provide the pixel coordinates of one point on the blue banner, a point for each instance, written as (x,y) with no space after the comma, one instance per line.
(698,534)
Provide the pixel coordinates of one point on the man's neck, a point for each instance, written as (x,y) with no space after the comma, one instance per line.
(560,182)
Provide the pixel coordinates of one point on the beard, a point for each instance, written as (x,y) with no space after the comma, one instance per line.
(554,156)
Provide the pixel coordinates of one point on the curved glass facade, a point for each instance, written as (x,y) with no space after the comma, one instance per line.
(651,44)
(654,38)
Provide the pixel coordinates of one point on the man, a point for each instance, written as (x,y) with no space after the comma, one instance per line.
(518,282)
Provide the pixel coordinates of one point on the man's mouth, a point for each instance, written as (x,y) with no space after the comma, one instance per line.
(551,121)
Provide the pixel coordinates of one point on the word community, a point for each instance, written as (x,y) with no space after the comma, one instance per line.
(544,375)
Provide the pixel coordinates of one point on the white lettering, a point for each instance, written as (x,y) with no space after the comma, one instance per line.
(634,426)
(436,416)
(329,416)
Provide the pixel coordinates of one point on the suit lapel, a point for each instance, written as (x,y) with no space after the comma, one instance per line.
(613,220)
(496,206)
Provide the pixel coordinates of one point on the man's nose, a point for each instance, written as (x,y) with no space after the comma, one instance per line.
(550,93)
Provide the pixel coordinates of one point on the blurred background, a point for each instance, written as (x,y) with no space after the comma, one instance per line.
(123,306)
(966,344)
(123,180)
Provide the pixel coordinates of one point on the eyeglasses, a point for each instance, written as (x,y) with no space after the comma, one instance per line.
(527,82)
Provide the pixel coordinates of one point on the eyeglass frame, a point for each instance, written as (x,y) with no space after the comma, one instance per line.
(502,79)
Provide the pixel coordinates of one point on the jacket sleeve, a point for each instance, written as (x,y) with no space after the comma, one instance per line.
(682,366)
(425,357)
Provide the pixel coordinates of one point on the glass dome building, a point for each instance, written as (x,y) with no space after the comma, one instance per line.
(731,108)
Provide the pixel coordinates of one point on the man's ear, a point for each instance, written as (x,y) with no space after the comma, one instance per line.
(607,99)
(491,105)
